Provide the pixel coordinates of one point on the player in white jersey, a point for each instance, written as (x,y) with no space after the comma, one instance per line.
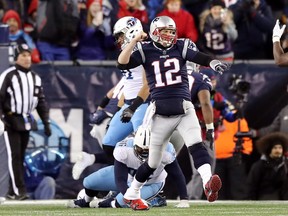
(106,109)
(135,93)
(129,155)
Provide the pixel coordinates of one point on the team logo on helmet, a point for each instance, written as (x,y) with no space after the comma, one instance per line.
(131,22)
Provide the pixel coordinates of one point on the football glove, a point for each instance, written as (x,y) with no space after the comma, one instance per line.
(2,127)
(219,66)
(126,115)
(210,137)
(277,31)
(98,117)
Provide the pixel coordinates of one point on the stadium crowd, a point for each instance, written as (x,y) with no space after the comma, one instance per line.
(82,30)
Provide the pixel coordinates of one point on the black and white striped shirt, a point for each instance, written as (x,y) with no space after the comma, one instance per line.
(21,92)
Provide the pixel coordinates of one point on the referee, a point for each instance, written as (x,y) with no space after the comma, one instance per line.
(21,92)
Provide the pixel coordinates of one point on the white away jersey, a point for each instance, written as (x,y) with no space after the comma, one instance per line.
(124,153)
(133,82)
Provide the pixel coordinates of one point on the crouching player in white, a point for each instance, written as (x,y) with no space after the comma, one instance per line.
(129,154)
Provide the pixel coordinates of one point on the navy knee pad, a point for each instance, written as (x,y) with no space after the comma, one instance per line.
(143,172)
(199,154)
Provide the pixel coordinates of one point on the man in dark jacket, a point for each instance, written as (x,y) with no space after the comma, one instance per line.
(268,177)
(21,92)
(254,22)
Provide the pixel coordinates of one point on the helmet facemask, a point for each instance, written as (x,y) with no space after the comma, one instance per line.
(141,143)
(167,37)
(141,153)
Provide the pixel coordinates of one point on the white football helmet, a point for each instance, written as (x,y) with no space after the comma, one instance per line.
(141,143)
(160,23)
(125,29)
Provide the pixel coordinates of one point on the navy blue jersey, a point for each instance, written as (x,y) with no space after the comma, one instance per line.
(215,38)
(198,82)
(166,70)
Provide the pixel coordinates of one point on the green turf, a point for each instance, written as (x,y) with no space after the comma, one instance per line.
(196,208)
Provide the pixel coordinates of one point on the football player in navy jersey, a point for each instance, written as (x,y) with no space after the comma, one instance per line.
(164,60)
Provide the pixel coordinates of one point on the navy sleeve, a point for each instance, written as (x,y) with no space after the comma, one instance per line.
(175,172)
(134,61)
(121,176)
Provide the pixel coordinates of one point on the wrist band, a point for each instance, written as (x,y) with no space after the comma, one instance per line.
(210,126)
(136,103)
(275,39)
(104,102)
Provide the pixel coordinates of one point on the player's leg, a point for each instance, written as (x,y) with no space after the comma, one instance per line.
(137,118)
(117,130)
(158,140)
(177,141)
(101,180)
(148,193)
(190,130)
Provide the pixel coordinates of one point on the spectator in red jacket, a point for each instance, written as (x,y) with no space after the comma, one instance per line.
(18,36)
(185,23)
(134,8)
(30,24)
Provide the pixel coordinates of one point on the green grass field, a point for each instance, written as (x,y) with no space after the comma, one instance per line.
(203,208)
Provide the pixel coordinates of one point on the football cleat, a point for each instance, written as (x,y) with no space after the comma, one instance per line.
(84,160)
(80,203)
(137,205)
(212,187)
(158,201)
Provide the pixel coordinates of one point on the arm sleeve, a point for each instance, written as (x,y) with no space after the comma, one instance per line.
(42,107)
(175,172)
(202,59)
(121,176)
(134,61)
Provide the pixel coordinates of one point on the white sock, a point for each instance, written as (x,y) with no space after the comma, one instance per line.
(205,173)
(136,185)
(88,198)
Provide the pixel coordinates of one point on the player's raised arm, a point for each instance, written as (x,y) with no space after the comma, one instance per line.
(124,56)
(281,58)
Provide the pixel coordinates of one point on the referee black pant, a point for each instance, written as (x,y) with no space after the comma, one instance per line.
(16,144)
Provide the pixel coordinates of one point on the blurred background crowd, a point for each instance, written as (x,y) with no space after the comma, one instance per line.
(82,29)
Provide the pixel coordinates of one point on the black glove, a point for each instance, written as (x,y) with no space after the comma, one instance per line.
(210,137)
(126,115)
(47,129)
(98,117)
